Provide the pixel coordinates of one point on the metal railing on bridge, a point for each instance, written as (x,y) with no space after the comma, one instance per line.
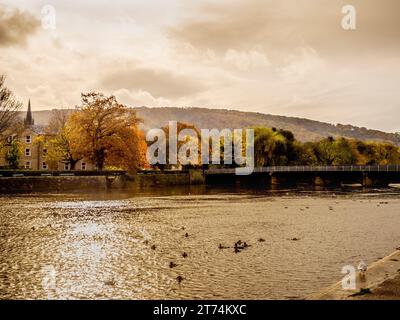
(352,168)
(80,173)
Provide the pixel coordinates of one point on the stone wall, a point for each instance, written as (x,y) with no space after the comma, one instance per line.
(153,180)
(52,184)
(97,183)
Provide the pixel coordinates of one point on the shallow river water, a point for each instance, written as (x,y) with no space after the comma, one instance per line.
(120,246)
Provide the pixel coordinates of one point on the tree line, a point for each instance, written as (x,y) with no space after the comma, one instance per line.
(277,147)
(106,133)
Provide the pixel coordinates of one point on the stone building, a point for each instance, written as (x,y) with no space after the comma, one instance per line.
(33,153)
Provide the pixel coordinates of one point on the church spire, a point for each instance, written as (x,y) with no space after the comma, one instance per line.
(29,119)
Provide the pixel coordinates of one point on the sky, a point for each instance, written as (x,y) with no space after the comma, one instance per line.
(279,57)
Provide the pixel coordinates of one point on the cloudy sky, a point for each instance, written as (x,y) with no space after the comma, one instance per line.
(272,56)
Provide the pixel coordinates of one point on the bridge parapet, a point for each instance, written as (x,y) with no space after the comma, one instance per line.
(351,168)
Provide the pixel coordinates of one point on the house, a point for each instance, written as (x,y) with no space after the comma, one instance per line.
(33,150)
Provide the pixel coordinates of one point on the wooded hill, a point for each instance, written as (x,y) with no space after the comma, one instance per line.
(303,129)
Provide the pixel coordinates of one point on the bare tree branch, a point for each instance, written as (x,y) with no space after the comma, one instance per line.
(9,107)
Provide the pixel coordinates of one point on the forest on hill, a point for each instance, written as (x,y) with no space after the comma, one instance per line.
(304,129)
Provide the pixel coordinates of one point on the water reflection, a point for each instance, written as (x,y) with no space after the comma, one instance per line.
(121,246)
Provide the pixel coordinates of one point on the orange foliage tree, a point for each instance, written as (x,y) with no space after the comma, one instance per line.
(106,133)
(180,127)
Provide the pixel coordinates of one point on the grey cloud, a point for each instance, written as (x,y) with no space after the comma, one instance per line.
(286,24)
(158,82)
(16,26)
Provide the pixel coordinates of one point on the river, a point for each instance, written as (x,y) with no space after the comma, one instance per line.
(121,246)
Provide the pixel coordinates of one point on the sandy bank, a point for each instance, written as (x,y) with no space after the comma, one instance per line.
(382,279)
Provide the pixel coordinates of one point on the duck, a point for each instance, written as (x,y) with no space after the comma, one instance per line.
(172,264)
(240,245)
(179,279)
(261,240)
(184,254)
(153,247)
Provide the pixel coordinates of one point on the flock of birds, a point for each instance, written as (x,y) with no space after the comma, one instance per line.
(237,247)
(172,264)
(242,245)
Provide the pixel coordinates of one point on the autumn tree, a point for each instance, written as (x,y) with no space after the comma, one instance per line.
(128,151)
(9,107)
(387,154)
(58,141)
(180,127)
(105,132)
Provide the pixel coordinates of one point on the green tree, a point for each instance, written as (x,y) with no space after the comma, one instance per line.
(14,153)
(345,153)
(304,153)
(325,151)
(335,152)
(273,147)
(58,142)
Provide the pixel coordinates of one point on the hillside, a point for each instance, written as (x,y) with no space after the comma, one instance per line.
(304,129)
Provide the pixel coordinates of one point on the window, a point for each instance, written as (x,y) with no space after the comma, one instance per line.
(28,139)
(45,152)
(27,152)
(83,166)
(27,165)
(66,166)
(44,166)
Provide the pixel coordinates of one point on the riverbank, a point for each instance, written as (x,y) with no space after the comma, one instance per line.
(382,282)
